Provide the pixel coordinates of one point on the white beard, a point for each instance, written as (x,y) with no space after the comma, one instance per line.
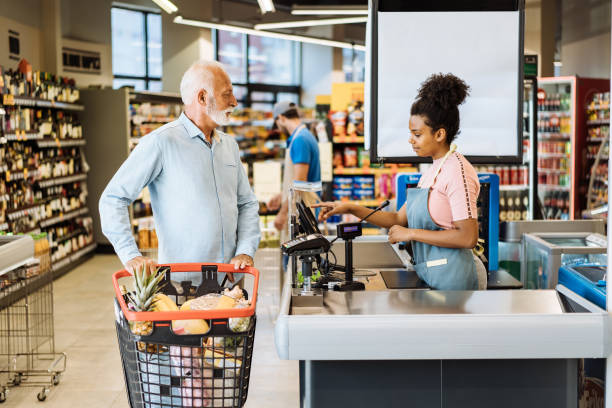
(220,117)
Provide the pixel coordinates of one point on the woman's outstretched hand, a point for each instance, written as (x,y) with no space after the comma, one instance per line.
(329,208)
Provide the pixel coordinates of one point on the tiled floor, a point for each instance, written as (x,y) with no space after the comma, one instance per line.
(84,327)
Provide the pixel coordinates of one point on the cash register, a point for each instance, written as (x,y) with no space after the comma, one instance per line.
(310,244)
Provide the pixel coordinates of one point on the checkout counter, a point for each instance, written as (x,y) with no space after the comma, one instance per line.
(414,346)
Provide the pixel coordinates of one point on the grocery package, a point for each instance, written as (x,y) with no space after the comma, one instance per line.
(350,157)
(355,119)
(338,120)
(363,157)
(343,183)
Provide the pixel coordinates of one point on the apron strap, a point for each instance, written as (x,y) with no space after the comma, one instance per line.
(453,148)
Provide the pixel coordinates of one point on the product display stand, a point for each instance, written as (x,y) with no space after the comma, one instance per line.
(43,187)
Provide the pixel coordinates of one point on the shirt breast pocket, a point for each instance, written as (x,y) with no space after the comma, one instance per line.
(230,174)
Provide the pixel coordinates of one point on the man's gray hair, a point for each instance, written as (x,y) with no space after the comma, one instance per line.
(200,75)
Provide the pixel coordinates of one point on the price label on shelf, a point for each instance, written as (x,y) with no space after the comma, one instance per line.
(8,99)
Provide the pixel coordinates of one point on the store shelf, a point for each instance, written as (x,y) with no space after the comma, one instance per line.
(553,171)
(22,135)
(554,136)
(598,107)
(597,122)
(553,187)
(349,139)
(555,112)
(596,140)
(61,180)
(64,217)
(71,261)
(10,100)
(553,155)
(594,156)
(4,226)
(513,188)
(73,234)
(262,122)
(59,143)
(357,171)
(139,119)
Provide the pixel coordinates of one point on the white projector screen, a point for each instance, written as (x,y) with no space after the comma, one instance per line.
(481,47)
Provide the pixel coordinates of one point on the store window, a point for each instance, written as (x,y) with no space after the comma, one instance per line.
(263,70)
(137,49)
(353,65)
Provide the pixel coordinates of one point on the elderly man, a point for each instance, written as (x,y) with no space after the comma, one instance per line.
(203,206)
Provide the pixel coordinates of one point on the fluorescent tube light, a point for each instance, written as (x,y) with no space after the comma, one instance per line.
(311,23)
(166,5)
(266,6)
(262,33)
(329,10)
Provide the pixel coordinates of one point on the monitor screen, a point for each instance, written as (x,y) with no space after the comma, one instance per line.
(481,47)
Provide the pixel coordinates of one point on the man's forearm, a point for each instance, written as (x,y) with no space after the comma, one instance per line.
(115,222)
(249,235)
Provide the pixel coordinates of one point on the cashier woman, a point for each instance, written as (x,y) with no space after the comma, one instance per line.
(439,217)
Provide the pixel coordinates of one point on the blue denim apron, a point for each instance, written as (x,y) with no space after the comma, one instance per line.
(441,268)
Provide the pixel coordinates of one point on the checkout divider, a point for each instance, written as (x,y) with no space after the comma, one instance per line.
(382,346)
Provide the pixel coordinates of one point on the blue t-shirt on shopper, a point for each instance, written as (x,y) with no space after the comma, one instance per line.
(304,149)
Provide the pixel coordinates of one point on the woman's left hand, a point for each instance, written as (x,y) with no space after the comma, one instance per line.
(398,233)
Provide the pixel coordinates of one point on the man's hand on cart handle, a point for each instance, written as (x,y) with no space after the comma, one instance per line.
(138,262)
(240,261)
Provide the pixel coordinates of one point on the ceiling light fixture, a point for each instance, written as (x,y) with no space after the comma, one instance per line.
(262,33)
(166,5)
(330,10)
(266,6)
(311,23)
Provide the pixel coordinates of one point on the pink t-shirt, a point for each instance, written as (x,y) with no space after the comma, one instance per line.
(453,196)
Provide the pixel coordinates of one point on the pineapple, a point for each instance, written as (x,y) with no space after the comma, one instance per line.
(146,287)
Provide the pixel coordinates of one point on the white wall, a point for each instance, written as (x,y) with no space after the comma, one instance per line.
(181,46)
(317,64)
(29,43)
(588,58)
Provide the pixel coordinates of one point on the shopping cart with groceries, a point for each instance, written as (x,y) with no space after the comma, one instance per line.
(193,345)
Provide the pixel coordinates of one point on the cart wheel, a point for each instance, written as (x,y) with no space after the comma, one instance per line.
(2,397)
(17,379)
(55,379)
(42,395)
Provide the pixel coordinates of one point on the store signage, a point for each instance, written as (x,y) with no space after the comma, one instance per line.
(344,93)
(14,47)
(531,65)
(81,61)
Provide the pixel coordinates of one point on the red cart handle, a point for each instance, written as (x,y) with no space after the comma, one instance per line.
(190,314)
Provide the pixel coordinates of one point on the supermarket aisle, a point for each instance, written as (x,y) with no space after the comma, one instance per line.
(84,329)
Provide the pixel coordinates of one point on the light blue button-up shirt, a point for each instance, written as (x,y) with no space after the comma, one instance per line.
(203,205)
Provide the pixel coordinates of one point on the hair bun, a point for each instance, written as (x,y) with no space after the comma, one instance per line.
(445,90)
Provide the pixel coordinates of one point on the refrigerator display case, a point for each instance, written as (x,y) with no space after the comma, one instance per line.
(545,253)
(562,143)
(597,153)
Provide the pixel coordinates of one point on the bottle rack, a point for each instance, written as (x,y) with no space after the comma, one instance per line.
(43,173)
(597,149)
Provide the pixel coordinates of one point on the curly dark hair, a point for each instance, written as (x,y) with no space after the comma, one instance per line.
(438,101)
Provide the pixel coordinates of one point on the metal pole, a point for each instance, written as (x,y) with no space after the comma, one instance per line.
(608,389)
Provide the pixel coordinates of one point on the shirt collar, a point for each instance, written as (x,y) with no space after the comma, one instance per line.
(295,131)
(195,131)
